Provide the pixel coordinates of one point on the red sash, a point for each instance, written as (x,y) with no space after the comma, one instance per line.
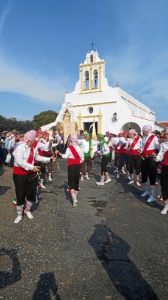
(76,159)
(109,140)
(31,156)
(122,149)
(117,150)
(165,159)
(35,144)
(132,150)
(145,151)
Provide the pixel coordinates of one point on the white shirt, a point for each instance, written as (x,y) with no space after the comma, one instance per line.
(154,144)
(11,143)
(104,149)
(163,149)
(21,155)
(137,145)
(85,144)
(68,153)
(114,141)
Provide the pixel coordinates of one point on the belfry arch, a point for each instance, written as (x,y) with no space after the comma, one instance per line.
(131,125)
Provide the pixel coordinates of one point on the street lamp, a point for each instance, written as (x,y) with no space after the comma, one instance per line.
(115,117)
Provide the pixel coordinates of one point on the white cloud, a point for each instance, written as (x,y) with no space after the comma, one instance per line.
(37,86)
(3,17)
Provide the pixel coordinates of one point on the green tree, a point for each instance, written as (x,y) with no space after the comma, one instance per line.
(44,118)
(13,124)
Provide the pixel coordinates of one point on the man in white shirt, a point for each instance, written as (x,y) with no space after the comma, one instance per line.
(149,146)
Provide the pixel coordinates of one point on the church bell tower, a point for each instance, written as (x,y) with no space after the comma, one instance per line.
(91,73)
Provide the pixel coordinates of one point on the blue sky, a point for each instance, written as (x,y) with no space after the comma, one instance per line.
(42,42)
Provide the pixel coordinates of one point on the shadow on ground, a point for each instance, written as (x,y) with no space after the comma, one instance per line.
(9,259)
(112,251)
(46,288)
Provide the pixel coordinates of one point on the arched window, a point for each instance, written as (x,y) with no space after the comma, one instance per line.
(91,58)
(95,79)
(86,82)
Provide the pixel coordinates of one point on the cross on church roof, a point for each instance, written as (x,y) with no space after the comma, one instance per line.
(92,44)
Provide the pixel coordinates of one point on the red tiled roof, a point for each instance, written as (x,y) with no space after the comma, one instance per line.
(163,123)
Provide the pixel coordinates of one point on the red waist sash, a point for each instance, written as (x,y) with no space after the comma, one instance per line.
(165,159)
(134,152)
(21,171)
(148,153)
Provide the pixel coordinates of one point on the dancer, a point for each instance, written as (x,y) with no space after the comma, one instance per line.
(149,146)
(134,158)
(163,156)
(75,156)
(87,145)
(104,153)
(25,174)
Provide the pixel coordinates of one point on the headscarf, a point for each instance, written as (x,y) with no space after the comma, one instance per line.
(29,136)
(125,132)
(100,136)
(86,134)
(74,139)
(39,131)
(147,128)
(44,133)
(120,134)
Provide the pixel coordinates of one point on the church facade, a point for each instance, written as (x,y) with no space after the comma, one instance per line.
(109,108)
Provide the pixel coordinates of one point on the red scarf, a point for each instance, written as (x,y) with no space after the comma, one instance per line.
(132,150)
(165,159)
(76,159)
(148,141)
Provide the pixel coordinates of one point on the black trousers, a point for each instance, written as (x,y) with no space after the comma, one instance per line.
(164,182)
(134,163)
(104,163)
(117,159)
(148,170)
(124,157)
(25,187)
(73,177)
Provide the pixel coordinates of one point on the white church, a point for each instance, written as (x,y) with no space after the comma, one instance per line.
(110,108)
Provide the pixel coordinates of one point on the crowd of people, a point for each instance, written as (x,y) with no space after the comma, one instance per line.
(138,156)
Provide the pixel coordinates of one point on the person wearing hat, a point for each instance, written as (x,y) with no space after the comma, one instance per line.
(104,153)
(149,146)
(116,147)
(108,140)
(134,158)
(47,152)
(25,174)
(123,160)
(43,148)
(162,156)
(86,144)
(75,156)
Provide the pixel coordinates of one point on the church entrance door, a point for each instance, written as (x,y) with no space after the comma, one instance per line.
(88,126)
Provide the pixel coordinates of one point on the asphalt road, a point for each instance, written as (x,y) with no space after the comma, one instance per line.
(112,246)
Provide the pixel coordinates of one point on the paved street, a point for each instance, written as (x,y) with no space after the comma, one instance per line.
(112,246)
